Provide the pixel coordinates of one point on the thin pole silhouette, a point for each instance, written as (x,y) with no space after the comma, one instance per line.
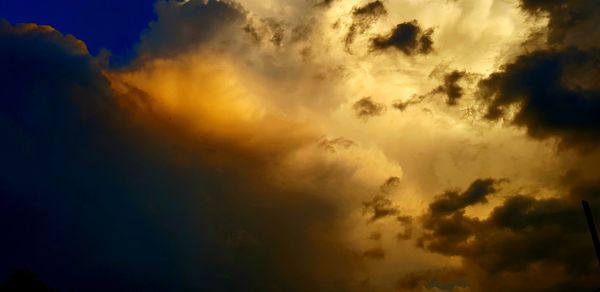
(592,227)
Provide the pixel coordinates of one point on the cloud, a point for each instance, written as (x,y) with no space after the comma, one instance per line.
(408,37)
(543,86)
(363,17)
(553,91)
(451,87)
(365,108)
(379,207)
(571,23)
(452,201)
(111,175)
(523,238)
(403,105)
(333,145)
(180,28)
(229,156)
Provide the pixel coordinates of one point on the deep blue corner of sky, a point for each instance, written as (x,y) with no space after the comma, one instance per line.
(112,24)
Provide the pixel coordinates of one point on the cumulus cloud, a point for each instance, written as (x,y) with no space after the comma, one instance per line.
(451,201)
(549,103)
(552,92)
(380,207)
(182,27)
(228,156)
(93,160)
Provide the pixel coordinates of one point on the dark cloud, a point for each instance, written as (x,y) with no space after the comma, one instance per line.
(403,105)
(571,22)
(452,201)
(390,185)
(363,17)
(551,93)
(366,108)
(554,90)
(408,37)
(451,87)
(379,207)
(524,238)
(180,27)
(99,192)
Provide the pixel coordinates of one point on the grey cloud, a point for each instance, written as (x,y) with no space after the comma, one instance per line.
(98,177)
(408,37)
(363,17)
(183,27)
(522,238)
(366,107)
(379,207)
(452,201)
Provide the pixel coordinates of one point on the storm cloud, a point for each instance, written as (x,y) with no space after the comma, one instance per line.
(522,238)
(93,163)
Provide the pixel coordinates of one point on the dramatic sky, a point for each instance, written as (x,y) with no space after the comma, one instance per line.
(300,145)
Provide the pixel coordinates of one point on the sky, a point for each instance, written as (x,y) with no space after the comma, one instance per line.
(299,145)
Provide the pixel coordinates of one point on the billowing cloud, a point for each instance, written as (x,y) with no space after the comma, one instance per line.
(543,88)
(95,161)
(233,152)
(522,238)
(552,92)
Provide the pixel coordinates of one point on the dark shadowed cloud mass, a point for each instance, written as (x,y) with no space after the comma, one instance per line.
(523,238)
(91,179)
